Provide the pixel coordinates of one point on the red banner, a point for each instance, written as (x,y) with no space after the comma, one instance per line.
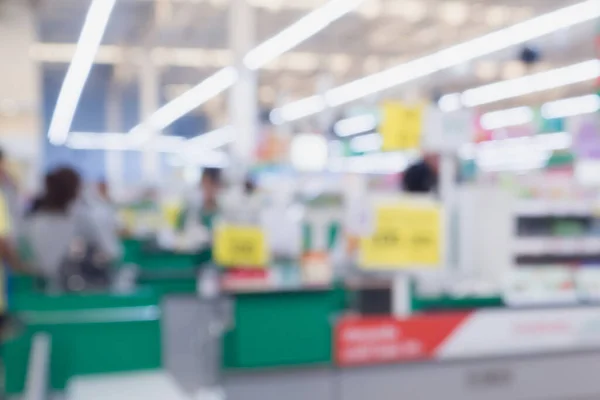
(376,340)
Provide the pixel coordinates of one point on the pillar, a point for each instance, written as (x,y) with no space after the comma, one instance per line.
(326,118)
(243,96)
(113,161)
(149,81)
(20,91)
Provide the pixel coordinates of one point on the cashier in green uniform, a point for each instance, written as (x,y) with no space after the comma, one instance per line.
(205,210)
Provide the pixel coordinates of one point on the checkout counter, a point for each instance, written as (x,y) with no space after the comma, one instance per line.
(320,343)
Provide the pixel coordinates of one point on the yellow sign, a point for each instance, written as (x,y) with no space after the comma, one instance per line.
(401,126)
(240,246)
(407,236)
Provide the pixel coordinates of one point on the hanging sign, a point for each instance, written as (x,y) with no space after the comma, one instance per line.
(401,126)
(447,131)
(405,236)
(240,246)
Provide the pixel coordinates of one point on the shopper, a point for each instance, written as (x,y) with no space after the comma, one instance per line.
(36,203)
(422,177)
(59,220)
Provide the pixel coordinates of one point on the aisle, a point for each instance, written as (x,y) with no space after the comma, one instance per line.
(147,386)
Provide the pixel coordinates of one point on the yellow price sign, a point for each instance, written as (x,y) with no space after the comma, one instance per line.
(405,237)
(240,246)
(401,126)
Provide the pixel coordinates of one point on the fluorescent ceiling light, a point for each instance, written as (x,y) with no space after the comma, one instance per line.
(544,141)
(524,153)
(199,94)
(255,58)
(164,144)
(455,55)
(211,140)
(167,144)
(378,163)
(449,102)
(298,32)
(91,35)
(503,118)
(534,83)
(298,109)
(98,141)
(507,89)
(563,108)
(572,106)
(123,142)
(366,143)
(355,125)
(522,161)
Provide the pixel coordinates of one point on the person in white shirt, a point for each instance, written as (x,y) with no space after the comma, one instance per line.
(59,218)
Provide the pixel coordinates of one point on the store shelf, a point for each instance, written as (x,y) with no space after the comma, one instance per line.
(549,208)
(544,260)
(550,245)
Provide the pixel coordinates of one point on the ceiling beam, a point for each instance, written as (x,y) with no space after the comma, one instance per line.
(62,53)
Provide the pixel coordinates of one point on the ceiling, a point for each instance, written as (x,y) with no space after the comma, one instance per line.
(190,41)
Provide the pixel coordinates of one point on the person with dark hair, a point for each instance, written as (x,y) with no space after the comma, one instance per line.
(422,177)
(58,220)
(62,188)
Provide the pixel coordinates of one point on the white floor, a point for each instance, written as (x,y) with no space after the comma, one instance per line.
(147,386)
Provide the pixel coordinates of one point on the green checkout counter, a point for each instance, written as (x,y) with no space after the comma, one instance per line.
(110,333)
(90,334)
(102,334)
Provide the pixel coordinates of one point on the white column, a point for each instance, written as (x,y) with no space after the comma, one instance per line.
(20,91)
(113,160)
(447,192)
(243,97)
(325,118)
(149,81)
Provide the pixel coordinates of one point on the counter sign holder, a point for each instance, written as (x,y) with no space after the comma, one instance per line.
(241,246)
(404,235)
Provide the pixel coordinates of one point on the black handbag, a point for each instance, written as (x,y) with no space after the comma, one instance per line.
(85,268)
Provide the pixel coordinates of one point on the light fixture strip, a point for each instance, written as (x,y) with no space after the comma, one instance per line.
(93,30)
(272,48)
(298,32)
(452,56)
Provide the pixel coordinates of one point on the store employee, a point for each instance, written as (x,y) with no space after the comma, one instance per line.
(204,212)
